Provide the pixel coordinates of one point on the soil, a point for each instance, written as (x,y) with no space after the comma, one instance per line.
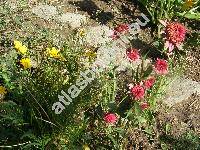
(183,117)
(193,63)
(102,11)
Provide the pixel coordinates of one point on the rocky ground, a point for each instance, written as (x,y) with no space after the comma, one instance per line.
(183,96)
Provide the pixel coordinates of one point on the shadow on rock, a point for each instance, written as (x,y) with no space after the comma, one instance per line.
(93,11)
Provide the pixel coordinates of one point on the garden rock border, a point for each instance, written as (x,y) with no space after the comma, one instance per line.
(179,90)
(45,11)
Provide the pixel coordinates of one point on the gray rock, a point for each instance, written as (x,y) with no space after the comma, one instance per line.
(74,20)
(111,53)
(179,90)
(109,56)
(45,11)
(12,4)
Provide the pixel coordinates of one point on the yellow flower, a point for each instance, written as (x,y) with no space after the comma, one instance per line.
(82,32)
(85,147)
(22,49)
(188,4)
(2,90)
(91,54)
(17,44)
(25,62)
(53,52)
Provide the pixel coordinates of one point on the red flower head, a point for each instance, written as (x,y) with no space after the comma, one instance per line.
(149,82)
(132,54)
(161,67)
(144,106)
(138,92)
(122,28)
(175,33)
(110,118)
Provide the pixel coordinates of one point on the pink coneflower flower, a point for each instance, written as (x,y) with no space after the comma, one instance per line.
(144,106)
(138,92)
(110,118)
(161,66)
(132,54)
(174,34)
(149,82)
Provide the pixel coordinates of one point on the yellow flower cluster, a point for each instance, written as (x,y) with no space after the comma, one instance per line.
(86,147)
(2,90)
(26,63)
(89,53)
(53,52)
(20,47)
(82,32)
(188,4)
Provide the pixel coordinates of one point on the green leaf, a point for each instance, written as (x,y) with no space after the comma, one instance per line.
(147,72)
(138,110)
(190,15)
(113,140)
(18,20)
(148,130)
(141,120)
(28,146)
(28,135)
(167,128)
(150,115)
(119,130)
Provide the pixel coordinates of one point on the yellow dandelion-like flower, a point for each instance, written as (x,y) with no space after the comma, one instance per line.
(26,63)
(91,54)
(23,49)
(2,90)
(86,147)
(82,32)
(20,47)
(53,52)
(188,4)
(17,44)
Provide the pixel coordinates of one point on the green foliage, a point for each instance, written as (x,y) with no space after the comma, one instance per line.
(191,12)
(11,122)
(169,9)
(27,107)
(188,140)
(160,9)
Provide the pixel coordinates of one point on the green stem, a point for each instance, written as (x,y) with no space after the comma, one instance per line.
(114,86)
